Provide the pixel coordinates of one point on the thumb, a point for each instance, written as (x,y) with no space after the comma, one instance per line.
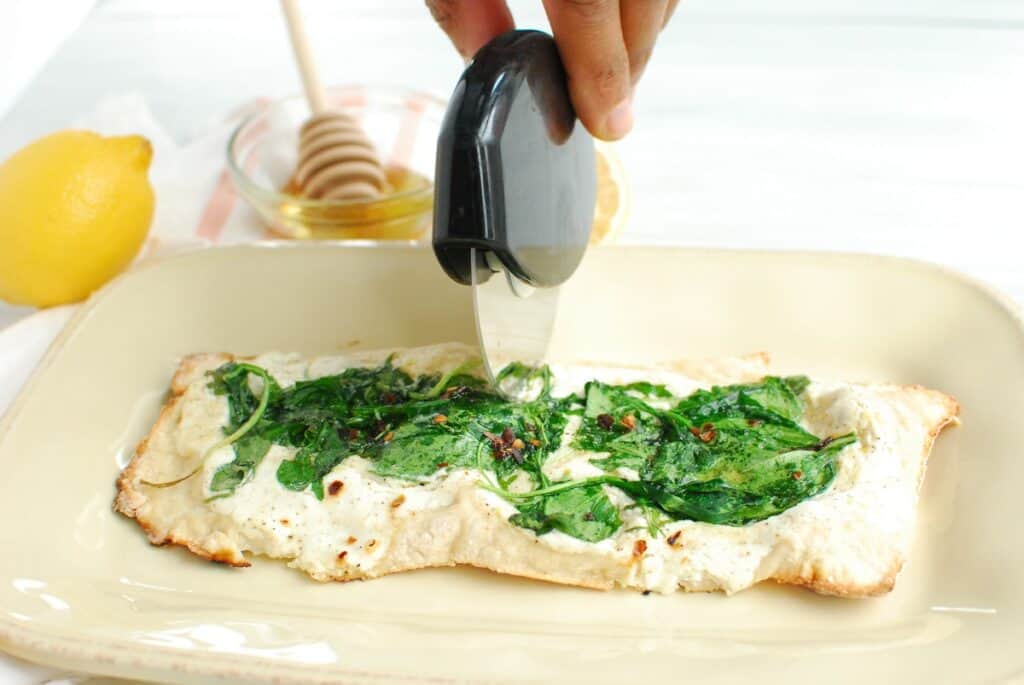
(589,38)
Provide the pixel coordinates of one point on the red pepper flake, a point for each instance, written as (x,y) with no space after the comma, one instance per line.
(629,421)
(353,434)
(351,540)
(285,522)
(342,554)
(389,437)
(497,446)
(674,538)
(797,475)
(389,398)
(440,418)
(706,433)
(506,445)
(335,487)
(453,392)
(639,548)
(442,464)
(822,445)
(397,502)
(605,421)
(754,423)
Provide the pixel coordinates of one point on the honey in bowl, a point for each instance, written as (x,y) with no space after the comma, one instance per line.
(402,212)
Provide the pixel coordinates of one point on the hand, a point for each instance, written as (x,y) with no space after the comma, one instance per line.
(605,45)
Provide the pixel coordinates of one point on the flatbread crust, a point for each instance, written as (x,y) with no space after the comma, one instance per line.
(851,541)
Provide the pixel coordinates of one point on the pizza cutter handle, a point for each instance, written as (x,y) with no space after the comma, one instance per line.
(515,170)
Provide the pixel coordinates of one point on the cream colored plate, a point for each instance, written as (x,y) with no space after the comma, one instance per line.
(80,587)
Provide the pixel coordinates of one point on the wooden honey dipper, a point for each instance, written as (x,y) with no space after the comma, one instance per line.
(336,159)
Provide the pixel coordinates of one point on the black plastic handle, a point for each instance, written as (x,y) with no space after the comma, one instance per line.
(515,170)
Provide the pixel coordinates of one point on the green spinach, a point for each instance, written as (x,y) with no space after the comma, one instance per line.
(585,512)
(728,455)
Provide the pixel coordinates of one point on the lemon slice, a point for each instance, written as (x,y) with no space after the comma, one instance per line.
(611,209)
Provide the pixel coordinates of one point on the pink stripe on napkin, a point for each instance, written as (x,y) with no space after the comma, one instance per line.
(405,141)
(222,200)
(218,209)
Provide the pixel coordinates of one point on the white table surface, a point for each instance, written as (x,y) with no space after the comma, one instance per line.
(861,125)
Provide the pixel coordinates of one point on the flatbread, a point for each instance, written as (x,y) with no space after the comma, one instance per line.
(850,541)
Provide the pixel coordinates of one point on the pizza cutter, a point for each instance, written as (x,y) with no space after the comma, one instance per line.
(514,193)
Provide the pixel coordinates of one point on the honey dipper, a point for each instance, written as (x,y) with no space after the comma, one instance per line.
(336,159)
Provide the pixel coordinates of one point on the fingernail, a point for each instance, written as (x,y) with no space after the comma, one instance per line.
(620,120)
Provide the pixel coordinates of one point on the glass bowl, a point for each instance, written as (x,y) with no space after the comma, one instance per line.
(402,124)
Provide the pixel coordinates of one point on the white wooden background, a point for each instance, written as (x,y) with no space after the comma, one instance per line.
(888,126)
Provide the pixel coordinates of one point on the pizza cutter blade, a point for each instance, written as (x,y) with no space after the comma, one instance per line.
(514,193)
(514,320)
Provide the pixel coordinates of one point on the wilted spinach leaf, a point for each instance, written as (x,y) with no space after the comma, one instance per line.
(620,424)
(245,414)
(729,455)
(583,512)
(418,449)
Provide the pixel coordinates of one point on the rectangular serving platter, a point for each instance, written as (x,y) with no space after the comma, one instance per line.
(81,587)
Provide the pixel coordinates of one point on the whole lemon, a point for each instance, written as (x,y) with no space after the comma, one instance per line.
(75,208)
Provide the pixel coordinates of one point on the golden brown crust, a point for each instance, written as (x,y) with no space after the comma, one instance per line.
(131,497)
(127,500)
(811,578)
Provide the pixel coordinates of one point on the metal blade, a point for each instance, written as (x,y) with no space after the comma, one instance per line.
(514,321)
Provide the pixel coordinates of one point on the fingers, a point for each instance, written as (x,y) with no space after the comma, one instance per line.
(668,12)
(641,22)
(605,46)
(471,23)
(590,41)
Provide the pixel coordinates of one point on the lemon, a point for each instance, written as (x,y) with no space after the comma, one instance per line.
(75,208)
(611,208)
